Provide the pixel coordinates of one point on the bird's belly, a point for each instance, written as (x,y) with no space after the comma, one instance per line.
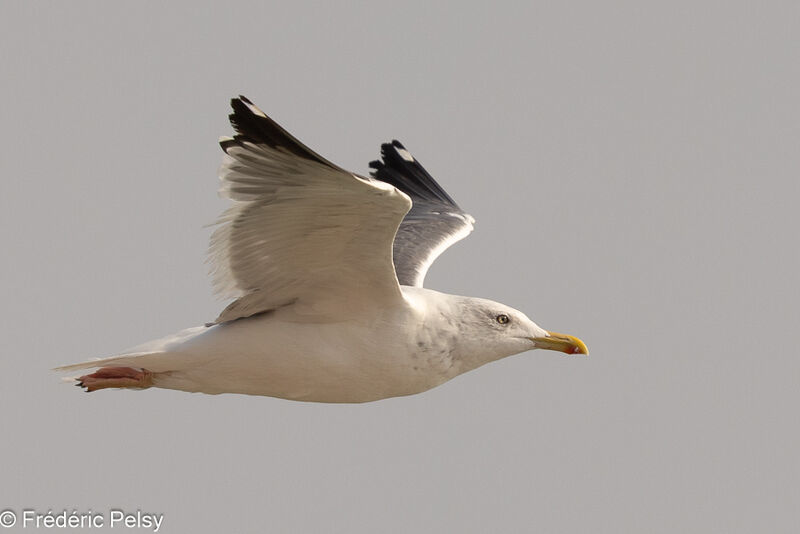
(328,362)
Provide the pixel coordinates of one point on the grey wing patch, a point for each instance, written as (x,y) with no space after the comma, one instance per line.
(423,235)
(434,222)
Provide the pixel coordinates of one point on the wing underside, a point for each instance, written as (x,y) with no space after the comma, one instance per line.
(433,224)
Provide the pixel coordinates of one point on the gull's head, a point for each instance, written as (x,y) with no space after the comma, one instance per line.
(499,330)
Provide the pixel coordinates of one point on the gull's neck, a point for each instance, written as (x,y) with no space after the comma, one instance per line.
(449,333)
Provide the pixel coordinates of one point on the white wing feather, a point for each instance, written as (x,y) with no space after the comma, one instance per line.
(302,232)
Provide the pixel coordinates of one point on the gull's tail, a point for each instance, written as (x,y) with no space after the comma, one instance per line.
(136,359)
(157,355)
(150,364)
(125,371)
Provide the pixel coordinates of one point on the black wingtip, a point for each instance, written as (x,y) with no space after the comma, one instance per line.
(254,126)
(244,120)
(400,169)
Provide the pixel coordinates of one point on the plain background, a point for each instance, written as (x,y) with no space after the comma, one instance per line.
(633,169)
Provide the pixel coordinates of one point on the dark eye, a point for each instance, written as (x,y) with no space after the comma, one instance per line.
(503,318)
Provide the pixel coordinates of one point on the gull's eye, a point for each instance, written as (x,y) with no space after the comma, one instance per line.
(503,318)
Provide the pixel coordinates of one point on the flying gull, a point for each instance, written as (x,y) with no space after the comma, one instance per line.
(326,270)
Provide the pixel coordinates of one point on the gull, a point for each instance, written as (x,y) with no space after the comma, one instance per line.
(326,270)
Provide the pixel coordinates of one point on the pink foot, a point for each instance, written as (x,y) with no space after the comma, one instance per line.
(116,377)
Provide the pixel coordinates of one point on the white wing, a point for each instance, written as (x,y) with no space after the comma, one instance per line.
(301,231)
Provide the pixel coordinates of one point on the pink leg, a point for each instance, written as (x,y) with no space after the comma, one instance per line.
(116,377)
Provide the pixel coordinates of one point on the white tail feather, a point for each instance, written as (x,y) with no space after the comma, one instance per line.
(126,360)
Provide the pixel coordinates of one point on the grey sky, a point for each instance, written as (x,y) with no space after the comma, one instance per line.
(633,170)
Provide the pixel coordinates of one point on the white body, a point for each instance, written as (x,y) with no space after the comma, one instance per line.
(400,351)
(282,355)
